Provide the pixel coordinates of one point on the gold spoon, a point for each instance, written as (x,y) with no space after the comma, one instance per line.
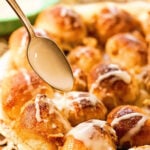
(45,57)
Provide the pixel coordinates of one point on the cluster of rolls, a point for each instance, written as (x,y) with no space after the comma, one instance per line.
(109,105)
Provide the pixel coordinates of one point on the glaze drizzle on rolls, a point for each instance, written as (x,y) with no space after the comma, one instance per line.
(130,123)
(93,135)
(80,106)
(18,88)
(113,70)
(109,105)
(113,84)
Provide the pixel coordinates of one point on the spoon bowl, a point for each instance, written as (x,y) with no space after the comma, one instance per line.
(45,57)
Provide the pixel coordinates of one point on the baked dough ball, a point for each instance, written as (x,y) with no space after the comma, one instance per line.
(112,20)
(85,57)
(145,22)
(19,87)
(131,124)
(113,85)
(80,106)
(127,50)
(40,125)
(18,42)
(80,79)
(144,78)
(144,104)
(91,135)
(6,64)
(65,26)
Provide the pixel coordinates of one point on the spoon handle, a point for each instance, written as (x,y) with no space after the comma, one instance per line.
(22,17)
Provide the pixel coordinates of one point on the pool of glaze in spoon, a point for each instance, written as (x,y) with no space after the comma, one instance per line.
(49,64)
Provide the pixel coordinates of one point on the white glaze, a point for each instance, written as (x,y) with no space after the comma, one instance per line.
(124,117)
(37,107)
(52,110)
(133,130)
(90,136)
(131,38)
(26,76)
(64,12)
(120,74)
(76,73)
(65,102)
(45,99)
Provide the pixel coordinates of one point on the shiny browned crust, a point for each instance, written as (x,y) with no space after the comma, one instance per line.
(65,25)
(80,79)
(17,90)
(122,127)
(112,20)
(97,132)
(52,127)
(81,106)
(112,93)
(127,50)
(85,57)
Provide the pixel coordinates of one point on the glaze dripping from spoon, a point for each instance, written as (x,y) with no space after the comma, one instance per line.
(45,57)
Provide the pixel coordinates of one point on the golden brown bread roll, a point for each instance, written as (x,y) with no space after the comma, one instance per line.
(85,57)
(144,104)
(132,125)
(65,26)
(91,135)
(145,22)
(112,20)
(40,125)
(80,79)
(113,84)
(80,106)
(144,78)
(127,50)
(19,87)
(34,122)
